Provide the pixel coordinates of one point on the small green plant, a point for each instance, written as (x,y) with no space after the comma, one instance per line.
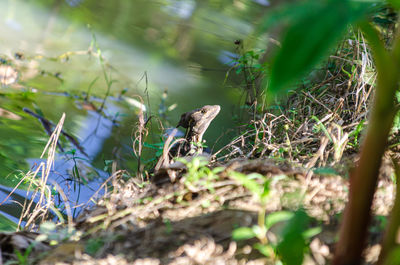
(303,46)
(49,231)
(199,175)
(291,246)
(108,165)
(355,134)
(23,258)
(93,245)
(168,226)
(249,65)
(107,77)
(264,246)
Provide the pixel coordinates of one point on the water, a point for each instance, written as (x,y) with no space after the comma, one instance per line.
(182,47)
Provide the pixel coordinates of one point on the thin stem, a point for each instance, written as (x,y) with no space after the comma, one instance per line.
(363,179)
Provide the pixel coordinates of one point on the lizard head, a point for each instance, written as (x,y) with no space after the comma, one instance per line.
(198,120)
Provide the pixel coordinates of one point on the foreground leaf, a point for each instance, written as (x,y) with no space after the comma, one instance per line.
(309,38)
(243,233)
(276,217)
(293,245)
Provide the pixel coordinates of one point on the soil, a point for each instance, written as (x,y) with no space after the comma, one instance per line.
(169,223)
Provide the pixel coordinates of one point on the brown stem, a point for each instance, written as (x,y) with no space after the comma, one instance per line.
(363,179)
(362,187)
(389,240)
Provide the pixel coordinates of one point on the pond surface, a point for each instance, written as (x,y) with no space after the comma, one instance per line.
(164,57)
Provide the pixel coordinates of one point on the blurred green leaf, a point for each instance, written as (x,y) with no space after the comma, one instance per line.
(266,250)
(217,170)
(325,171)
(6,224)
(266,191)
(259,231)
(243,233)
(309,38)
(312,232)
(394,3)
(293,245)
(93,245)
(276,217)
(286,13)
(156,146)
(393,256)
(248,182)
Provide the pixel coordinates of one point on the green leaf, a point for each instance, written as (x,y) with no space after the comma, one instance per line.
(266,250)
(310,38)
(312,232)
(248,182)
(276,217)
(156,146)
(6,224)
(327,171)
(93,245)
(259,231)
(217,170)
(286,13)
(243,233)
(394,3)
(266,191)
(293,245)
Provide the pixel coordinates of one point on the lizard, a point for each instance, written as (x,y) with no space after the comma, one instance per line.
(196,123)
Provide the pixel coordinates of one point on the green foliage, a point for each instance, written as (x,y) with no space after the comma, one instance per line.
(53,234)
(396,122)
(198,174)
(325,171)
(265,247)
(305,43)
(393,256)
(248,61)
(6,224)
(292,247)
(321,127)
(277,217)
(395,3)
(318,27)
(250,183)
(294,237)
(108,165)
(93,245)
(292,240)
(356,133)
(168,226)
(251,67)
(378,224)
(243,233)
(23,258)
(156,146)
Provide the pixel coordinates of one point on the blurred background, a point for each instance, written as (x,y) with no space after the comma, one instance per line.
(177,55)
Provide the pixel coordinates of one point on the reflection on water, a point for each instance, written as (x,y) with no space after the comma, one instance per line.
(185,48)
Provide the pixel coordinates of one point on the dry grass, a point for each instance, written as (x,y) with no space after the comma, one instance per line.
(37,206)
(141,223)
(39,201)
(314,126)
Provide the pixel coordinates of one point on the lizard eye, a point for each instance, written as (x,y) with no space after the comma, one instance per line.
(203,111)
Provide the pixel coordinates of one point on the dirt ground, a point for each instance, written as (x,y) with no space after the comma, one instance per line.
(168,223)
